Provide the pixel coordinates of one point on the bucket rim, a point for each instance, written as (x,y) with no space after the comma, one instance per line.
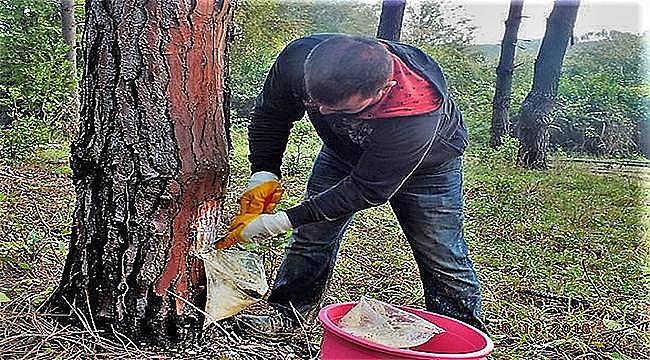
(337,331)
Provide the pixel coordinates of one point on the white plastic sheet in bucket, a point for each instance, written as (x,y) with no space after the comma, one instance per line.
(385,324)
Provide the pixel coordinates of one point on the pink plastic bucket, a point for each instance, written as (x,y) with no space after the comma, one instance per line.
(459,341)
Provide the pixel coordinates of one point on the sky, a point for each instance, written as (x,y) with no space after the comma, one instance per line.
(593,16)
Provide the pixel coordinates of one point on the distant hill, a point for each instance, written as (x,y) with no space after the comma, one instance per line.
(527,47)
(492,51)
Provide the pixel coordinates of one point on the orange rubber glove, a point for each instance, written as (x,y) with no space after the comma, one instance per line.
(234,230)
(262,195)
(261,199)
(254,227)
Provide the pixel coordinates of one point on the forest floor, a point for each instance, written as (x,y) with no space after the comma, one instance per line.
(562,256)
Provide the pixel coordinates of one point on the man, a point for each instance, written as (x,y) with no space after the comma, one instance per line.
(390,132)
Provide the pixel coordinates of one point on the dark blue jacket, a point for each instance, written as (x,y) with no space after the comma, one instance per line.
(382,153)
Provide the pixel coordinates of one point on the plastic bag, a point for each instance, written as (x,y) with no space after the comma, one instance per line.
(235,280)
(385,324)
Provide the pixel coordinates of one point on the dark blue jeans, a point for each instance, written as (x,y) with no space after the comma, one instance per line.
(429,208)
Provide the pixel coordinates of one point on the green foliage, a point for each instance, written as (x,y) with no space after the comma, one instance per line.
(302,144)
(336,16)
(619,54)
(471,83)
(34,80)
(603,97)
(522,80)
(18,140)
(437,23)
(260,33)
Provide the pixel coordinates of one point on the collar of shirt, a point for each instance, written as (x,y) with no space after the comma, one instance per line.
(413,95)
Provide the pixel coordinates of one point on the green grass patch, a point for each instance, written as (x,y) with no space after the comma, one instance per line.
(538,237)
(52,156)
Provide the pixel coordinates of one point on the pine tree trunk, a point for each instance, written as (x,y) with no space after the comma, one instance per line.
(503,87)
(535,113)
(150,160)
(69,29)
(390,21)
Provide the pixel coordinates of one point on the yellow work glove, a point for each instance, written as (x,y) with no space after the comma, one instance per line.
(255,227)
(262,194)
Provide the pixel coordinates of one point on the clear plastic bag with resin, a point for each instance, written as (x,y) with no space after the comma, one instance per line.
(235,280)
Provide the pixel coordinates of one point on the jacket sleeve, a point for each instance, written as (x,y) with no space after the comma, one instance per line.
(276,108)
(394,153)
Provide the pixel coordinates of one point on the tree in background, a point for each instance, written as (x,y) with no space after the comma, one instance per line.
(503,86)
(437,23)
(150,161)
(535,113)
(390,23)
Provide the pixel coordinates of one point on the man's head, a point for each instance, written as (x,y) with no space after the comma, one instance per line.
(347,74)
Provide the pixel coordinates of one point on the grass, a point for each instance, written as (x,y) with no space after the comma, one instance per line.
(53,157)
(568,233)
(562,254)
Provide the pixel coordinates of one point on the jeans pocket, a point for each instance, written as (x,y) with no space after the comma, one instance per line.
(455,164)
(439,188)
(450,148)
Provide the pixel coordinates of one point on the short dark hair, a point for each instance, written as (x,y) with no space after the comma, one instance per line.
(343,66)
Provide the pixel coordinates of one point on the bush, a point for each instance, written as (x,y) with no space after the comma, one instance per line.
(260,34)
(17,141)
(471,83)
(601,97)
(34,79)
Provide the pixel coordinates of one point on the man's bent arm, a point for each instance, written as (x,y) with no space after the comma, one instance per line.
(382,169)
(275,110)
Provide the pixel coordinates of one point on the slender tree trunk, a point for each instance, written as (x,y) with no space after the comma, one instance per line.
(535,113)
(503,87)
(150,161)
(390,21)
(69,29)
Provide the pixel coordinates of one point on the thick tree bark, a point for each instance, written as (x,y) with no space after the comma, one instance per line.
(150,161)
(503,87)
(69,29)
(535,113)
(390,21)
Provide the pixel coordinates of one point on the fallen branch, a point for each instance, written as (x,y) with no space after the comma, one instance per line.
(564,300)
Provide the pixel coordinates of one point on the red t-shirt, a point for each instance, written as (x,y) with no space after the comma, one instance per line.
(413,95)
